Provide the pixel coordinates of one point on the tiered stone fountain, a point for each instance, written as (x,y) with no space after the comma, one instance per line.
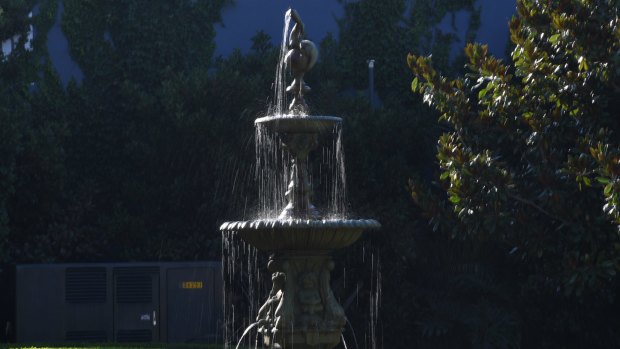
(301,310)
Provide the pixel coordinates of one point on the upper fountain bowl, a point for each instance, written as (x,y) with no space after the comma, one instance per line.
(299,123)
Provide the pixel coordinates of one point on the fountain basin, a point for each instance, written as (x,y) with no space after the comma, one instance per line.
(300,234)
(299,123)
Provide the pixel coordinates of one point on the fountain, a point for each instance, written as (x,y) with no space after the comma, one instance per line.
(301,310)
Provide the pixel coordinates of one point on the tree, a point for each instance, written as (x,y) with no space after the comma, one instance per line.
(91,171)
(531,159)
(33,132)
(144,130)
(14,18)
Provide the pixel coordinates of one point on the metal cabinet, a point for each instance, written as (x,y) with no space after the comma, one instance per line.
(87,306)
(189,318)
(119,302)
(136,304)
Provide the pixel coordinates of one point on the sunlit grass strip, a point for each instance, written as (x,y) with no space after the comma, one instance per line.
(108,346)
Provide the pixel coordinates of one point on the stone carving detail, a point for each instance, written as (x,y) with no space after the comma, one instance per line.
(301,286)
(299,190)
(309,299)
(266,314)
(334,314)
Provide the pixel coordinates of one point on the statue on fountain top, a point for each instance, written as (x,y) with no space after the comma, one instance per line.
(301,57)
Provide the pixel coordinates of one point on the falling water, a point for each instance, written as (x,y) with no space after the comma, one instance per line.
(272,172)
(245,333)
(353,333)
(344,343)
(336,182)
(280,83)
(367,292)
(242,278)
(273,169)
(375,299)
(273,161)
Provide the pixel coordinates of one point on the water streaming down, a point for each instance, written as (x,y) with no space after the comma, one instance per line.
(301,310)
(241,272)
(242,289)
(279,97)
(337,203)
(365,306)
(273,161)
(273,172)
(375,299)
(344,342)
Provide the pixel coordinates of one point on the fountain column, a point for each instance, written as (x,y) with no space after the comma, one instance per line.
(299,189)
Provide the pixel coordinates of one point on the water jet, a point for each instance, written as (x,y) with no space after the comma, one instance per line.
(301,310)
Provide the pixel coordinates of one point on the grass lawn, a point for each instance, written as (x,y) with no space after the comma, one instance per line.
(108,346)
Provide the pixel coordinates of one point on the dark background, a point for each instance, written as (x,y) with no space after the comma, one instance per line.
(127,135)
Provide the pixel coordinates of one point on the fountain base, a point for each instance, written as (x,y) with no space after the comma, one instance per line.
(301,311)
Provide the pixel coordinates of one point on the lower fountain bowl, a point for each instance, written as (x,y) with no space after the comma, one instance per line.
(300,234)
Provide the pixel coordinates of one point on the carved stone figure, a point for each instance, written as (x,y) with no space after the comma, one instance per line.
(300,58)
(334,314)
(266,318)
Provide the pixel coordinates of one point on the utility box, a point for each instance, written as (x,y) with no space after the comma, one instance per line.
(119,302)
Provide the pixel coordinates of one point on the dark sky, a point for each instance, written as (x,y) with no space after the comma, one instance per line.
(246,17)
(242,20)
(58,48)
(494,24)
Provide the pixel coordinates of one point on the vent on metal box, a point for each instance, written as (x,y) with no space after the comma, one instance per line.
(134,285)
(86,336)
(85,285)
(134,336)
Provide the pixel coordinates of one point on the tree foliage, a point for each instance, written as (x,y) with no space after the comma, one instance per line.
(14,18)
(108,170)
(31,174)
(531,160)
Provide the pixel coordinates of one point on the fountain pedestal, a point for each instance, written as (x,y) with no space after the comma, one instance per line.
(299,190)
(301,311)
